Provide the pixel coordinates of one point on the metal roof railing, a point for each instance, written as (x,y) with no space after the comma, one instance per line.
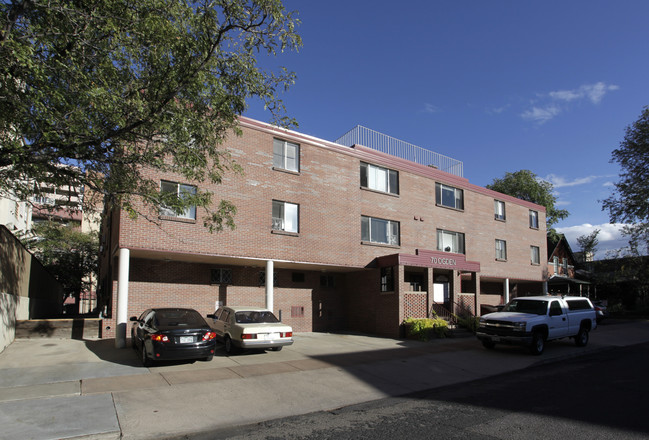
(386,144)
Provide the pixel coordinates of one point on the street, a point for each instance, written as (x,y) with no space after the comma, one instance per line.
(598,396)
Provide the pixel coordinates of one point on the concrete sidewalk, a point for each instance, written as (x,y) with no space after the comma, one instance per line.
(61,388)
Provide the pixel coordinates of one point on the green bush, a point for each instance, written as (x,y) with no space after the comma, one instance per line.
(425,328)
(470,323)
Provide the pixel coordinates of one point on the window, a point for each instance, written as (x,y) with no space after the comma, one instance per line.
(555,309)
(221,276)
(448,196)
(565,266)
(262,279)
(285,216)
(327,281)
(379,179)
(535,255)
(181,191)
(501,250)
(448,241)
(376,230)
(555,263)
(499,210)
(534,219)
(286,155)
(387,279)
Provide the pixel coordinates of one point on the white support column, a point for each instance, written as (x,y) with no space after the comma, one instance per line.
(122,298)
(545,287)
(269,285)
(506,289)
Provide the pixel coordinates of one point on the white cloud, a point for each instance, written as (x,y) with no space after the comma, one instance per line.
(430,108)
(541,115)
(610,237)
(561,182)
(558,100)
(593,92)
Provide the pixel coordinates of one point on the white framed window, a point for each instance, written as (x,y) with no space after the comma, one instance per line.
(534,219)
(499,210)
(286,216)
(535,255)
(501,250)
(449,196)
(449,241)
(286,155)
(181,191)
(379,178)
(378,230)
(564,265)
(555,263)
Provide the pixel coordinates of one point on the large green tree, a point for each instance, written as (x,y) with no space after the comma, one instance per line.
(526,185)
(118,86)
(629,203)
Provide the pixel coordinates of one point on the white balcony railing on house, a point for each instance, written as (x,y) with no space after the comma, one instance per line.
(375,140)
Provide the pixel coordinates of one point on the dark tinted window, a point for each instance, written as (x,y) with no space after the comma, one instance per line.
(578,304)
(527,306)
(174,318)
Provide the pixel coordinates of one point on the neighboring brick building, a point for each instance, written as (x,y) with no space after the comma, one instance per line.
(353,239)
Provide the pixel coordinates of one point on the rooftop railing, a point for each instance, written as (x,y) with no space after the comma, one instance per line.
(386,144)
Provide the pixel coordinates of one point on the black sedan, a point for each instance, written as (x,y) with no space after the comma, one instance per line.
(172,334)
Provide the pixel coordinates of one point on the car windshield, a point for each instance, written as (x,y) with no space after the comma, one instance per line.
(255,317)
(176,318)
(527,306)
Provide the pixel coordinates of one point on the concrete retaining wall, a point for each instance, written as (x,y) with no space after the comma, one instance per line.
(81,328)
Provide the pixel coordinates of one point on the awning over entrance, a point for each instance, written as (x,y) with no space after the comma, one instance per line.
(426,258)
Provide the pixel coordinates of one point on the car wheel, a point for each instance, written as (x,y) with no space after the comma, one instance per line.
(582,337)
(538,343)
(276,348)
(229,347)
(488,344)
(145,357)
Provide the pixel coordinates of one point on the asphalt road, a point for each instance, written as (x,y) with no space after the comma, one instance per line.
(600,396)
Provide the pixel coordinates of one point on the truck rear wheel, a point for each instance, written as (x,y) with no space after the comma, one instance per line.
(538,343)
(582,337)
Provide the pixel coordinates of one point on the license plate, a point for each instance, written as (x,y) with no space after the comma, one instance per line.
(186,339)
(272,336)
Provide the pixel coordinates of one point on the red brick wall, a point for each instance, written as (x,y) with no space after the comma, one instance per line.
(331,202)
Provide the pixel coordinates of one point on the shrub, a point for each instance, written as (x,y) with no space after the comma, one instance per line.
(426,328)
(470,323)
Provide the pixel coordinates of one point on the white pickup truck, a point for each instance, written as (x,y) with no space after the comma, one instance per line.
(532,321)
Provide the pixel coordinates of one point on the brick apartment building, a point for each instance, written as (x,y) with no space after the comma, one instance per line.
(331,237)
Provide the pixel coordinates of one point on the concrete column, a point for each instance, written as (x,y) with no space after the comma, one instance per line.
(269,284)
(475,279)
(122,298)
(506,289)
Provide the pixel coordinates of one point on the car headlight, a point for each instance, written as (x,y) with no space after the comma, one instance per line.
(519,326)
(483,322)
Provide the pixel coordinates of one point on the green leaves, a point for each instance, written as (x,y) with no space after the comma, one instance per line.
(118,87)
(629,202)
(526,185)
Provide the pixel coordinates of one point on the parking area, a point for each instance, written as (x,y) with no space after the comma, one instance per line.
(103,392)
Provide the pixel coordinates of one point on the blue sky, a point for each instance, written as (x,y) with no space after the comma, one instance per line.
(500,85)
